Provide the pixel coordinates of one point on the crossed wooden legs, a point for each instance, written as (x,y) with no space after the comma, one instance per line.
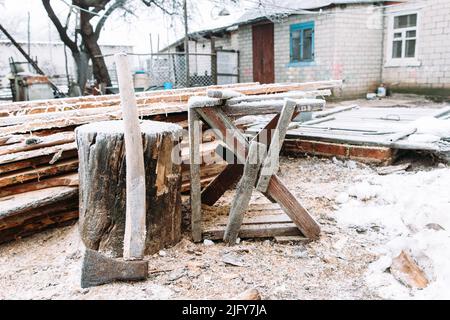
(269,183)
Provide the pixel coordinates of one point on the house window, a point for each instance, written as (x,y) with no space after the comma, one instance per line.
(302,42)
(404,40)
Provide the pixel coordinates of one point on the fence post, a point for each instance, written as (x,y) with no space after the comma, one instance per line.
(213,60)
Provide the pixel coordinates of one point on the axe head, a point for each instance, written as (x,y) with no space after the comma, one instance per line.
(98,269)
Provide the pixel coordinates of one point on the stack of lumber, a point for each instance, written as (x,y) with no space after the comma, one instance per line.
(39,160)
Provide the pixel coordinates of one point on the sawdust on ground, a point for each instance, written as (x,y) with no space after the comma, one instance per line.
(47,265)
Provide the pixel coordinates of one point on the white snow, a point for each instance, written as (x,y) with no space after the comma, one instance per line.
(410,209)
(429,130)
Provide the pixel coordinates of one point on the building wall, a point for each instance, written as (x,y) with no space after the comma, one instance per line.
(201,64)
(348,46)
(229,41)
(432,70)
(245,54)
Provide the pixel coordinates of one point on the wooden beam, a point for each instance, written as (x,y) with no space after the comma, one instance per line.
(244,191)
(300,216)
(270,107)
(40,172)
(195,161)
(271,162)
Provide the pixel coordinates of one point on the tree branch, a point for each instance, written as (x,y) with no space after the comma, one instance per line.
(59,27)
(117,4)
(149,3)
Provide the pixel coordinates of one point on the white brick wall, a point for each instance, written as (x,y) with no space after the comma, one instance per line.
(245,54)
(433,48)
(347,46)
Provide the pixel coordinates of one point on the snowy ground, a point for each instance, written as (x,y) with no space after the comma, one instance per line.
(366,220)
(413,213)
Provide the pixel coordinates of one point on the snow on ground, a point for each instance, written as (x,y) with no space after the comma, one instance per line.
(413,212)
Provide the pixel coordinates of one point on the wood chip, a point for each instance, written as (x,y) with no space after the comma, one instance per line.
(405,270)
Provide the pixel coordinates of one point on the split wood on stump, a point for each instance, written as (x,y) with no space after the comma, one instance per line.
(102,171)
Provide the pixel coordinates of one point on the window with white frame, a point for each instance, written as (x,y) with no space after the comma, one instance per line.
(404,37)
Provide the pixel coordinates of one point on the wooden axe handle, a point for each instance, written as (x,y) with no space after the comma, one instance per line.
(135,232)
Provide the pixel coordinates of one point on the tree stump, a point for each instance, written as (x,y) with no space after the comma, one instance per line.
(102,171)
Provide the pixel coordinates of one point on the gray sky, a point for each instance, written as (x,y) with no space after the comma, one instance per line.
(136,31)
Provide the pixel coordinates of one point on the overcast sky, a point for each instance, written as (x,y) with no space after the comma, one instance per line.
(135,30)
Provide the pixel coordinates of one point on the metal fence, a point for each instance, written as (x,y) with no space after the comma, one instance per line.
(164,70)
(169,70)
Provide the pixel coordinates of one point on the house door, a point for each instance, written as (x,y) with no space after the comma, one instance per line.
(263,53)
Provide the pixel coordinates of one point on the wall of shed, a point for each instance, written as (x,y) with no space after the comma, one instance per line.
(433,49)
(348,46)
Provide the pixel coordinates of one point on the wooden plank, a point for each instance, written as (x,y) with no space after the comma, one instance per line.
(17,204)
(244,191)
(271,162)
(33,142)
(77,103)
(66,204)
(265,217)
(32,154)
(279,96)
(40,172)
(255,231)
(223,182)
(299,215)
(233,138)
(290,239)
(39,224)
(194,147)
(35,162)
(270,107)
(64,180)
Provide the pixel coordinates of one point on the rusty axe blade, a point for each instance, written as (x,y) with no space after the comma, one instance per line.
(98,269)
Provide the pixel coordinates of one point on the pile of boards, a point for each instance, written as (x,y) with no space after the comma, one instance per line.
(38,155)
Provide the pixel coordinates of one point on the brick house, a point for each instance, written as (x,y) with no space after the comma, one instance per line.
(405,44)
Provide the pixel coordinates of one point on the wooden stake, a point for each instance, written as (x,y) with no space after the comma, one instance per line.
(135,232)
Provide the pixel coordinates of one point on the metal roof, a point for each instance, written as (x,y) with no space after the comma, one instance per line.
(272,8)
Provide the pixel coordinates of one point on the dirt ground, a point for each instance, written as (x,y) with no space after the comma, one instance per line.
(47,265)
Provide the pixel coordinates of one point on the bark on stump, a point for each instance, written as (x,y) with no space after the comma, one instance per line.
(102,173)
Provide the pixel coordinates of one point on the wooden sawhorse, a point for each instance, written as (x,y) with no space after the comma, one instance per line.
(258,171)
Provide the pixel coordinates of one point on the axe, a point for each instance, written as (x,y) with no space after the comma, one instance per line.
(98,269)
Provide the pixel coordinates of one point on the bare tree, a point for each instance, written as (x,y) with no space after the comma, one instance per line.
(89,30)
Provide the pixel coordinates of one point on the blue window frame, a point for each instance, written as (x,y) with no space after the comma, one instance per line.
(302,42)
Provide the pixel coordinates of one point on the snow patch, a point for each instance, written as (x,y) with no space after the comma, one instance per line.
(413,212)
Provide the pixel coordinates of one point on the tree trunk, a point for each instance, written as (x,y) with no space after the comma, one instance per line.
(81,62)
(90,42)
(103,181)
